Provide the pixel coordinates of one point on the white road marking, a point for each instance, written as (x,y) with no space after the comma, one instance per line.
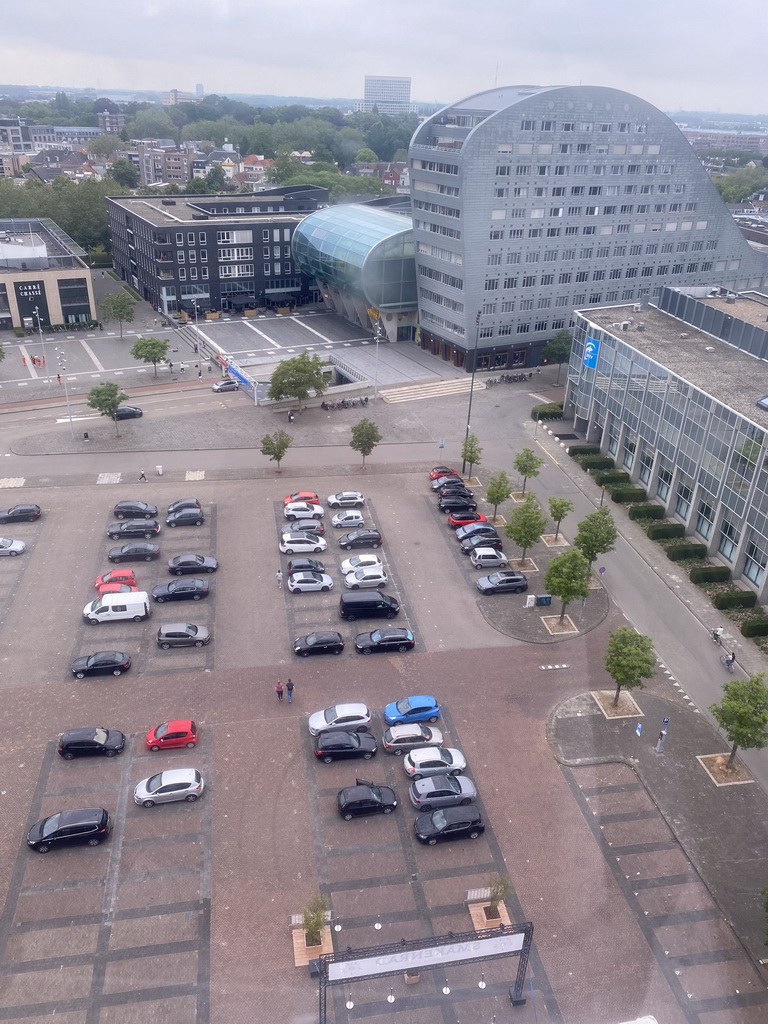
(92,354)
(262,335)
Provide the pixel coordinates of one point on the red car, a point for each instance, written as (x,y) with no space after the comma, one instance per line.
(116,588)
(442,471)
(457,519)
(177,733)
(116,576)
(309,496)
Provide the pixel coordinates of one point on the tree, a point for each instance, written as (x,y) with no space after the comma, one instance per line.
(596,535)
(117,306)
(275,446)
(104,145)
(2,353)
(526,524)
(736,187)
(295,378)
(558,510)
(365,156)
(470,453)
(365,436)
(150,350)
(498,491)
(124,173)
(528,464)
(106,398)
(742,714)
(567,577)
(558,350)
(629,659)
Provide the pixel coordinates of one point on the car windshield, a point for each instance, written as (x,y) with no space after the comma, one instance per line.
(330,714)
(100,736)
(376,794)
(445,755)
(376,636)
(191,630)
(4,543)
(438,820)
(312,638)
(496,577)
(403,706)
(452,783)
(51,824)
(154,782)
(161,730)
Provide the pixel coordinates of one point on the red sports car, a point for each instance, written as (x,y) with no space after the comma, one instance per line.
(116,588)
(116,576)
(457,519)
(177,733)
(309,496)
(437,471)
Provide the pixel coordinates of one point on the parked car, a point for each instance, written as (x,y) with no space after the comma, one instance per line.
(117,588)
(338,744)
(503,582)
(360,539)
(310,496)
(364,579)
(480,540)
(181,590)
(134,528)
(134,510)
(464,518)
(102,663)
(319,642)
(456,504)
(365,798)
(179,732)
(398,739)
(87,825)
(348,520)
(20,514)
(167,787)
(128,412)
(455,490)
(421,708)
(442,791)
(182,634)
(425,761)
(303,510)
(116,576)
(301,582)
(488,558)
(134,552)
(97,742)
(305,565)
(313,526)
(225,385)
(346,499)
(473,529)
(448,823)
(293,542)
(437,471)
(364,561)
(352,717)
(185,517)
(182,565)
(175,506)
(386,640)
(11,547)
(440,481)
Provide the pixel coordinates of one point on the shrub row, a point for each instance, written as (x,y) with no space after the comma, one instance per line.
(623,494)
(646,512)
(755,627)
(583,449)
(677,552)
(606,477)
(594,462)
(735,599)
(661,531)
(710,574)
(547,411)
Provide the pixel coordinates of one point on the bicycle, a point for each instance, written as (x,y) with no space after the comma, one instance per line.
(729,660)
(717,636)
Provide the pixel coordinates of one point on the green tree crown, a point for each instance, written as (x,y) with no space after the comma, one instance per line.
(558,510)
(528,464)
(296,378)
(274,446)
(150,350)
(629,659)
(567,577)
(498,491)
(597,534)
(106,397)
(742,714)
(365,436)
(525,524)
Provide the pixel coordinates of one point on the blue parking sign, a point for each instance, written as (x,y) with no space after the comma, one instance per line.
(591,351)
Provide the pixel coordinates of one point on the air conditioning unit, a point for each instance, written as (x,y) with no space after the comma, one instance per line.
(683,335)
(709,348)
(637,307)
(625,325)
(641,327)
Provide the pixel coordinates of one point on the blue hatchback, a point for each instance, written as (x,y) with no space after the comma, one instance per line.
(412,709)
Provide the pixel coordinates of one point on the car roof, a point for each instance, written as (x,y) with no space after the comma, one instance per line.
(401,732)
(177,724)
(487,551)
(424,753)
(468,812)
(75,735)
(179,775)
(166,627)
(350,709)
(81,815)
(422,699)
(325,634)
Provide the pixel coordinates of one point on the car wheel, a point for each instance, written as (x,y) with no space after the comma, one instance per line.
(291,519)
(425,808)
(191,797)
(172,526)
(154,747)
(94,622)
(137,618)
(366,650)
(198,643)
(382,584)
(94,842)
(386,810)
(80,675)
(465,802)
(473,835)
(210,570)
(362,728)
(178,572)
(147,558)
(375,545)
(355,586)
(32,519)
(417,777)
(325,589)
(347,547)
(398,753)
(296,590)
(304,654)
(190,745)
(149,803)
(117,671)
(198,522)
(431,842)
(42,848)
(149,517)
(289,551)
(196,597)
(120,516)
(402,648)
(348,817)
(68,755)
(109,753)
(316,550)
(327,760)
(13,553)
(147,536)
(358,504)
(391,615)
(160,600)
(367,756)
(165,647)
(456,771)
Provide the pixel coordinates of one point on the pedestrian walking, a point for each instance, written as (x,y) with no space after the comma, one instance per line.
(24,360)
(142,476)
(199,374)
(170,366)
(182,367)
(289,688)
(58,378)
(279,690)
(102,273)
(279,579)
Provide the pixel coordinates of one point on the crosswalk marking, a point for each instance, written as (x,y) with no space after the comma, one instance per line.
(433,389)
(13,481)
(194,474)
(109,478)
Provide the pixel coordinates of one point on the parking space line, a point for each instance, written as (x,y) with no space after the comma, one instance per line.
(92,354)
(261,334)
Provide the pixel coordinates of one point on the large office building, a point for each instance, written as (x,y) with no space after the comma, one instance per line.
(677,394)
(213,252)
(530,202)
(387,95)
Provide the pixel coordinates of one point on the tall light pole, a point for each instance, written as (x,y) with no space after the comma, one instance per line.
(42,341)
(62,371)
(472,385)
(376,372)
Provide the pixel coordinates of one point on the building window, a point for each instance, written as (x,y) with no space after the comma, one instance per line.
(754,566)
(182,274)
(503,170)
(494,259)
(492,284)
(705,518)
(541,325)
(544,303)
(665,480)
(489,308)
(684,495)
(179,238)
(526,304)
(265,235)
(504,330)
(523,328)
(496,235)
(528,126)
(180,256)
(613,439)
(646,465)
(529,281)
(729,538)
(486,332)
(204,273)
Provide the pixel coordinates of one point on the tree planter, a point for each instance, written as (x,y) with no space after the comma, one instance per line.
(302,953)
(412,977)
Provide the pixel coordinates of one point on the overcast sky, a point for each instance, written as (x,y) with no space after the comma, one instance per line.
(677,54)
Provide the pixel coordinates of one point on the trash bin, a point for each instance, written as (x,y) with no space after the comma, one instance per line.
(159,470)
(85,436)
(543,600)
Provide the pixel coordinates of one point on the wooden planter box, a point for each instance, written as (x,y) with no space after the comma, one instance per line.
(478,903)
(212,316)
(302,953)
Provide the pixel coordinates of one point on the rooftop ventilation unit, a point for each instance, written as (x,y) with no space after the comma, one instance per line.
(709,348)
(641,327)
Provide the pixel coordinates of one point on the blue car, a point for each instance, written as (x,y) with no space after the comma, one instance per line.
(412,709)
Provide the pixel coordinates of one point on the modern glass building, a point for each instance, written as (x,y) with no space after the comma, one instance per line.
(672,393)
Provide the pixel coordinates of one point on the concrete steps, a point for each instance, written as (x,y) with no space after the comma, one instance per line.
(435,389)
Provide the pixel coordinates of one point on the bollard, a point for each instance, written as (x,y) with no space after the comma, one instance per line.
(85,436)
(159,470)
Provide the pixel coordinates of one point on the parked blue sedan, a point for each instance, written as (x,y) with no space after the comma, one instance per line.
(412,709)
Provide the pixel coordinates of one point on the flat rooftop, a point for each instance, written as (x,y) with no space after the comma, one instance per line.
(751,310)
(190,209)
(719,370)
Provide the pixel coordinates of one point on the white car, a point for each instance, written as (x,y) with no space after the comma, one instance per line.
(360,562)
(349,717)
(346,499)
(166,787)
(303,510)
(11,547)
(348,520)
(302,542)
(299,582)
(425,761)
(362,578)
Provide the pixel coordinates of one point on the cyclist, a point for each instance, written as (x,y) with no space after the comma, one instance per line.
(717,634)
(730,660)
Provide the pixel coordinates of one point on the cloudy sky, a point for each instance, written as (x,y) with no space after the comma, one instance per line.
(677,54)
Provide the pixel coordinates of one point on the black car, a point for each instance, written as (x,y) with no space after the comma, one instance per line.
(449,823)
(441,482)
(474,529)
(102,663)
(458,504)
(183,503)
(183,565)
(135,552)
(388,640)
(305,565)
(128,412)
(326,642)
(481,540)
(96,742)
(181,590)
(457,488)
(21,514)
(304,526)
(360,539)
(336,744)
(502,582)
(186,517)
(365,798)
(134,510)
(134,528)
(182,634)
(89,825)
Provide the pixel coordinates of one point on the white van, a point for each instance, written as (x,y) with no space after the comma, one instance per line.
(114,607)
(488,558)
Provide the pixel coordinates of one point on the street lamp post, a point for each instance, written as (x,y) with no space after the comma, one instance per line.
(472,385)
(376,372)
(62,372)
(42,341)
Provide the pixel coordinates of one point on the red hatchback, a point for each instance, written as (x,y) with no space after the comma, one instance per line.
(116,588)
(309,496)
(457,519)
(116,576)
(178,733)
(438,471)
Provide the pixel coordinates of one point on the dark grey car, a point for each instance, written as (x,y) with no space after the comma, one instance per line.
(441,791)
(182,634)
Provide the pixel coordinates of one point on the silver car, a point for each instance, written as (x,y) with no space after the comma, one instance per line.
(182,634)
(349,520)
(303,510)
(349,717)
(426,761)
(366,578)
(11,547)
(346,499)
(441,791)
(301,582)
(364,561)
(166,787)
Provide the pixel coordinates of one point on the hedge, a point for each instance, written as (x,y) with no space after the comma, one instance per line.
(583,449)
(661,531)
(735,599)
(548,411)
(677,552)
(709,574)
(622,494)
(596,462)
(755,627)
(646,512)
(611,476)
